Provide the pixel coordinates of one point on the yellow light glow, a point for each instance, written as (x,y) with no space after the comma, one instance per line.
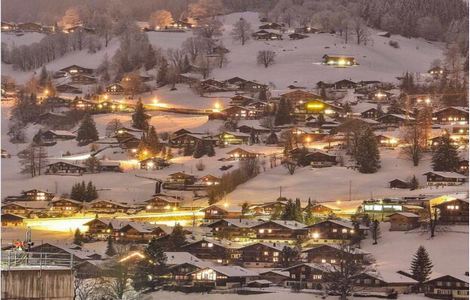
(341,62)
(308,139)
(316,106)
(132,255)
(316,235)
(59,224)
(226,204)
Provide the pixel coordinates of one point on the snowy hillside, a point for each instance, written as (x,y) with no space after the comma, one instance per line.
(297,61)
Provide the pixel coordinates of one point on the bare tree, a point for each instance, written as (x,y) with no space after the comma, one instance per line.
(113,126)
(415,142)
(204,66)
(132,83)
(206,8)
(360,30)
(194,46)
(241,31)
(266,58)
(209,28)
(290,165)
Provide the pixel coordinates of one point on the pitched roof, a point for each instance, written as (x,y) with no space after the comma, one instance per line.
(447,174)
(240,223)
(351,250)
(406,214)
(321,267)
(234,271)
(179,258)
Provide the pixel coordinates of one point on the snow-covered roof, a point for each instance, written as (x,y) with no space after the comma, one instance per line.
(392,277)
(352,250)
(321,267)
(406,214)
(62,133)
(178,258)
(30,204)
(240,223)
(289,224)
(447,174)
(234,271)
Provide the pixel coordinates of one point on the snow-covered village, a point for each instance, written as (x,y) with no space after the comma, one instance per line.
(237,149)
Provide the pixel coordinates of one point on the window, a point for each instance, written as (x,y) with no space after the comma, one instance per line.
(344,230)
(333,261)
(270,230)
(316,276)
(204,245)
(265,253)
(334,230)
(275,254)
(261,231)
(210,245)
(323,260)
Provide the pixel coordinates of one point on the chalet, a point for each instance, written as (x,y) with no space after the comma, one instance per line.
(280,231)
(261,255)
(212,85)
(306,29)
(67,168)
(297,36)
(252,86)
(9,219)
(182,24)
(6,27)
(82,104)
(297,97)
(63,206)
(180,178)
(316,108)
(67,88)
(395,120)
(52,119)
(332,254)
(223,276)
(140,232)
(115,89)
(107,207)
(444,178)
(162,203)
(256,129)
(29,27)
(399,184)
(238,112)
(379,96)
(436,71)
(463,167)
(320,159)
(54,135)
(267,208)
(83,79)
(335,230)
(306,275)
(110,166)
(403,221)
(100,228)
(277,277)
(339,60)
(387,140)
(74,70)
(451,115)
(447,287)
(241,154)
(233,138)
(323,209)
(182,264)
(61,251)
(273,26)
(237,81)
(453,211)
(208,249)
(221,211)
(344,84)
(390,282)
(234,229)
(32,195)
(266,35)
(153,163)
(25,208)
(209,180)
(190,139)
(56,102)
(240,100)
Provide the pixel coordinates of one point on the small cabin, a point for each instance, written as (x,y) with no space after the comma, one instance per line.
(115,89)
(403,221)
(444,178)
(447,287)
(399,184)
(65,168)
(241,154)
(74,70)
(339,60)
(233,138)
(453,211)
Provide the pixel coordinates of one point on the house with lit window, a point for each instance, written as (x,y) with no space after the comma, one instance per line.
(339,60)
(234,229)
(267,208)
(210,249)
(233,138)
(83,79)
(209,180)
(107,207)
(74,70)
(31,195)
(182,264)
(261,255)
(306,275)
(63,206)
(26,208)
(447,287)
(115,89)
(65,168)
(403,221)
(453,211)
(179,180)
(333,231)
(141,232)
(388,282)
(223,276)
(222,210)
(451,115)
(280,231)
(315,108)
(241,154)
(444,178)
(332,253)
(436,71)
(395,120)
(297,97)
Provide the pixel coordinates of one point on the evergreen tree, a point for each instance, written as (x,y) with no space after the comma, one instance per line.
(245,208)
(139,117)
(283,113)
(394,107)
(375,231)
(309,219)
(199,150)
(414,184)
(43,76)
(152,140)
(177,238)
(289,211)
(407,83)
(78,237)
(210,151)
(87,131)
(262,96)
(421,265)
(150,272)
(110,251)
(272,139)
(162,74)
(93,164)
(368,156)
(445,157)
(90,193)
(298,211)
(252,136)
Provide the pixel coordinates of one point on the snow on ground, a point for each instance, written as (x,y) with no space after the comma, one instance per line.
(11,39)
(448,250)
(330,184)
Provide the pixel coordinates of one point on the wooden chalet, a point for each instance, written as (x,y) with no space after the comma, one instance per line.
(266,35)
(297,36)
(180,178)
(221,211)
(190,140)
(107,207)
(209,180)
(182,24)
(344,84)
(320,159)
(272,26)
(444,178)
(25,208)
(306,275)
(61,251)
(451,115)
(83,79)
(110,166)
(54,135)
(240,100)
(297,97)
(395,120)
(447,287)
(241,154)
(399,184)
(100,228)
(315,108)
(9,219)
(403,221)
(140,232)
(237,81)
(29,27)
(65,168)
(280,231)
(277,277)
(239,112)
(387,141)
(453,211)
(334,230)
(436,71)
(261,255)
(63,206)
(74,70)
(256,129)
(223,276)
(234,229)
(212,250)
(32,195)
(56,102)
(339,60)
(67,88)
(267,208)
(306,29)
(115,89)
(162,203)
(52,119)
(332,254)
(82,104)
(233,138)
(390,283)
(153,163)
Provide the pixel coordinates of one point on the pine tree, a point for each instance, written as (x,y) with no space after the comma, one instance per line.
(93,164)
(289,211)
(282,114)
(139,117)
(177,238)
(149,273)
(110,251)
(298,211)
(368,156)
(87,131)
(421,265)
(78,237)
(43,76)
(210,151)
(414,184)
(445,157)
(199,150)
(162,75)
(91,193)
(152,140)
(252,136)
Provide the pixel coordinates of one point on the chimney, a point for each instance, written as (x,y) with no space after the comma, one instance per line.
(158,187)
